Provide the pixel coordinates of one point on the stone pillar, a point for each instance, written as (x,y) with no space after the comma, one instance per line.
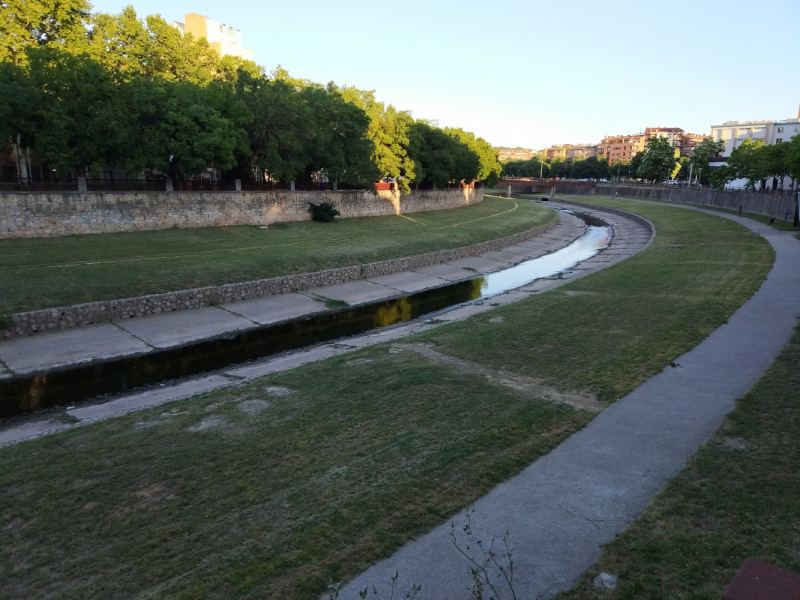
(82,184)
(291,186)
(553,193)
(168,184)
(508,193)
(237,184)
(335,186)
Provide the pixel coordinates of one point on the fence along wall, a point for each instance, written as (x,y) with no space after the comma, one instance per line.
(50,214)
(759,203)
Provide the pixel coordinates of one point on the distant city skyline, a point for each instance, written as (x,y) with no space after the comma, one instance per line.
(533,74)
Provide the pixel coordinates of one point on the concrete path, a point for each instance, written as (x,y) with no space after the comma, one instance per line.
(562,508)
(88,344)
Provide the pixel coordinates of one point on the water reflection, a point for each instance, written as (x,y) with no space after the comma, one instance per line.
(594,240)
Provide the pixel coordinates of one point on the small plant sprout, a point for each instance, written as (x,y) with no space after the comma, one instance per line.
(484,580)
(335,588)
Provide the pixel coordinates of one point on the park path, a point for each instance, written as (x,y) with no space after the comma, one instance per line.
(563,507)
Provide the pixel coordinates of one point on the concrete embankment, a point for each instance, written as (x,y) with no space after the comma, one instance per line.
(771,205)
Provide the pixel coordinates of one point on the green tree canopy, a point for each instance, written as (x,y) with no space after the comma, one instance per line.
(702,155)
(658,160)
(746,162)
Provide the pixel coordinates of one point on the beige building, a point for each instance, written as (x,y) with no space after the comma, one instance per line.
(680,140)
(568,151)
(515,154)
(227,41)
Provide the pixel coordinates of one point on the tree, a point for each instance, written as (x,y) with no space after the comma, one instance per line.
(702,155)
(746,162)
(490,167)
(389,132)
(440,158)
(40,23)
(636,163)
(775,163)
(341,147)
(721,176)
(81,120)
(659,159)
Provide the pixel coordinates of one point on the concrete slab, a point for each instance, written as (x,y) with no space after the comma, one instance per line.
(409,281)
(274,309)
(355,292)
(148,399)
(52,351)
(524,253)
(446,271)
(30,431)
(286,362)
(478,264)
(462,313)
(501,256)
(509,297)
(184,326)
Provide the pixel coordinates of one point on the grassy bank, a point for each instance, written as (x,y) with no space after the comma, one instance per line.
(47,272)
(739,497)
(277,487)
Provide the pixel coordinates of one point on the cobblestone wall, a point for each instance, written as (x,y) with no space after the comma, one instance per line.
(30,214)
(82,315)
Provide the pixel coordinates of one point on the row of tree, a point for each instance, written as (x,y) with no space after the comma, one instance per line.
(659,161)
(87,91)
(756,163)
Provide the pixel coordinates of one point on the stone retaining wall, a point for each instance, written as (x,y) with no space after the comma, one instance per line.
(762,204)
(90,313)
(32,214)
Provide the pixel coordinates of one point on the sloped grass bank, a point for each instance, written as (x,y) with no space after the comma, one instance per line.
(738,497)
(48,272)
(277,487)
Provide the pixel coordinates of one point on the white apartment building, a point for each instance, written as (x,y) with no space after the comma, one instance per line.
(733,133)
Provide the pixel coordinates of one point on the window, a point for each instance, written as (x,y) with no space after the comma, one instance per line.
(779,140)
(780,129)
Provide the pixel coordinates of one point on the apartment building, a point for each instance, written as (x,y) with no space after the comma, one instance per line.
(567,151)
(620,148)
(733,133)
(515,154)
(227,41)
(680,140)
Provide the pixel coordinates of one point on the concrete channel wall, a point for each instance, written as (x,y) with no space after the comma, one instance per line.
(90,313)
(50,214)
(767,204)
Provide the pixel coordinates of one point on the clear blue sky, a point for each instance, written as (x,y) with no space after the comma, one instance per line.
(532,73)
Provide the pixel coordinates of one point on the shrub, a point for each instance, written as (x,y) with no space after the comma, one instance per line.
(324,212)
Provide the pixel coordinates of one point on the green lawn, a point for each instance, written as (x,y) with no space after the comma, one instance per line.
(48,272)
(739,497)
(365,451)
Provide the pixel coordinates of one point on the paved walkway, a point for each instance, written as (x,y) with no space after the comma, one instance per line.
(562,508)
(76,346)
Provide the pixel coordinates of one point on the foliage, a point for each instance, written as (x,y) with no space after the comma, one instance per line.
(774,162)
(745,162)
(440,158)
(526,168)
(92,91)
(490,167)
(324,212)
(39,23)
(721,176)
(658,160)
(702,155)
